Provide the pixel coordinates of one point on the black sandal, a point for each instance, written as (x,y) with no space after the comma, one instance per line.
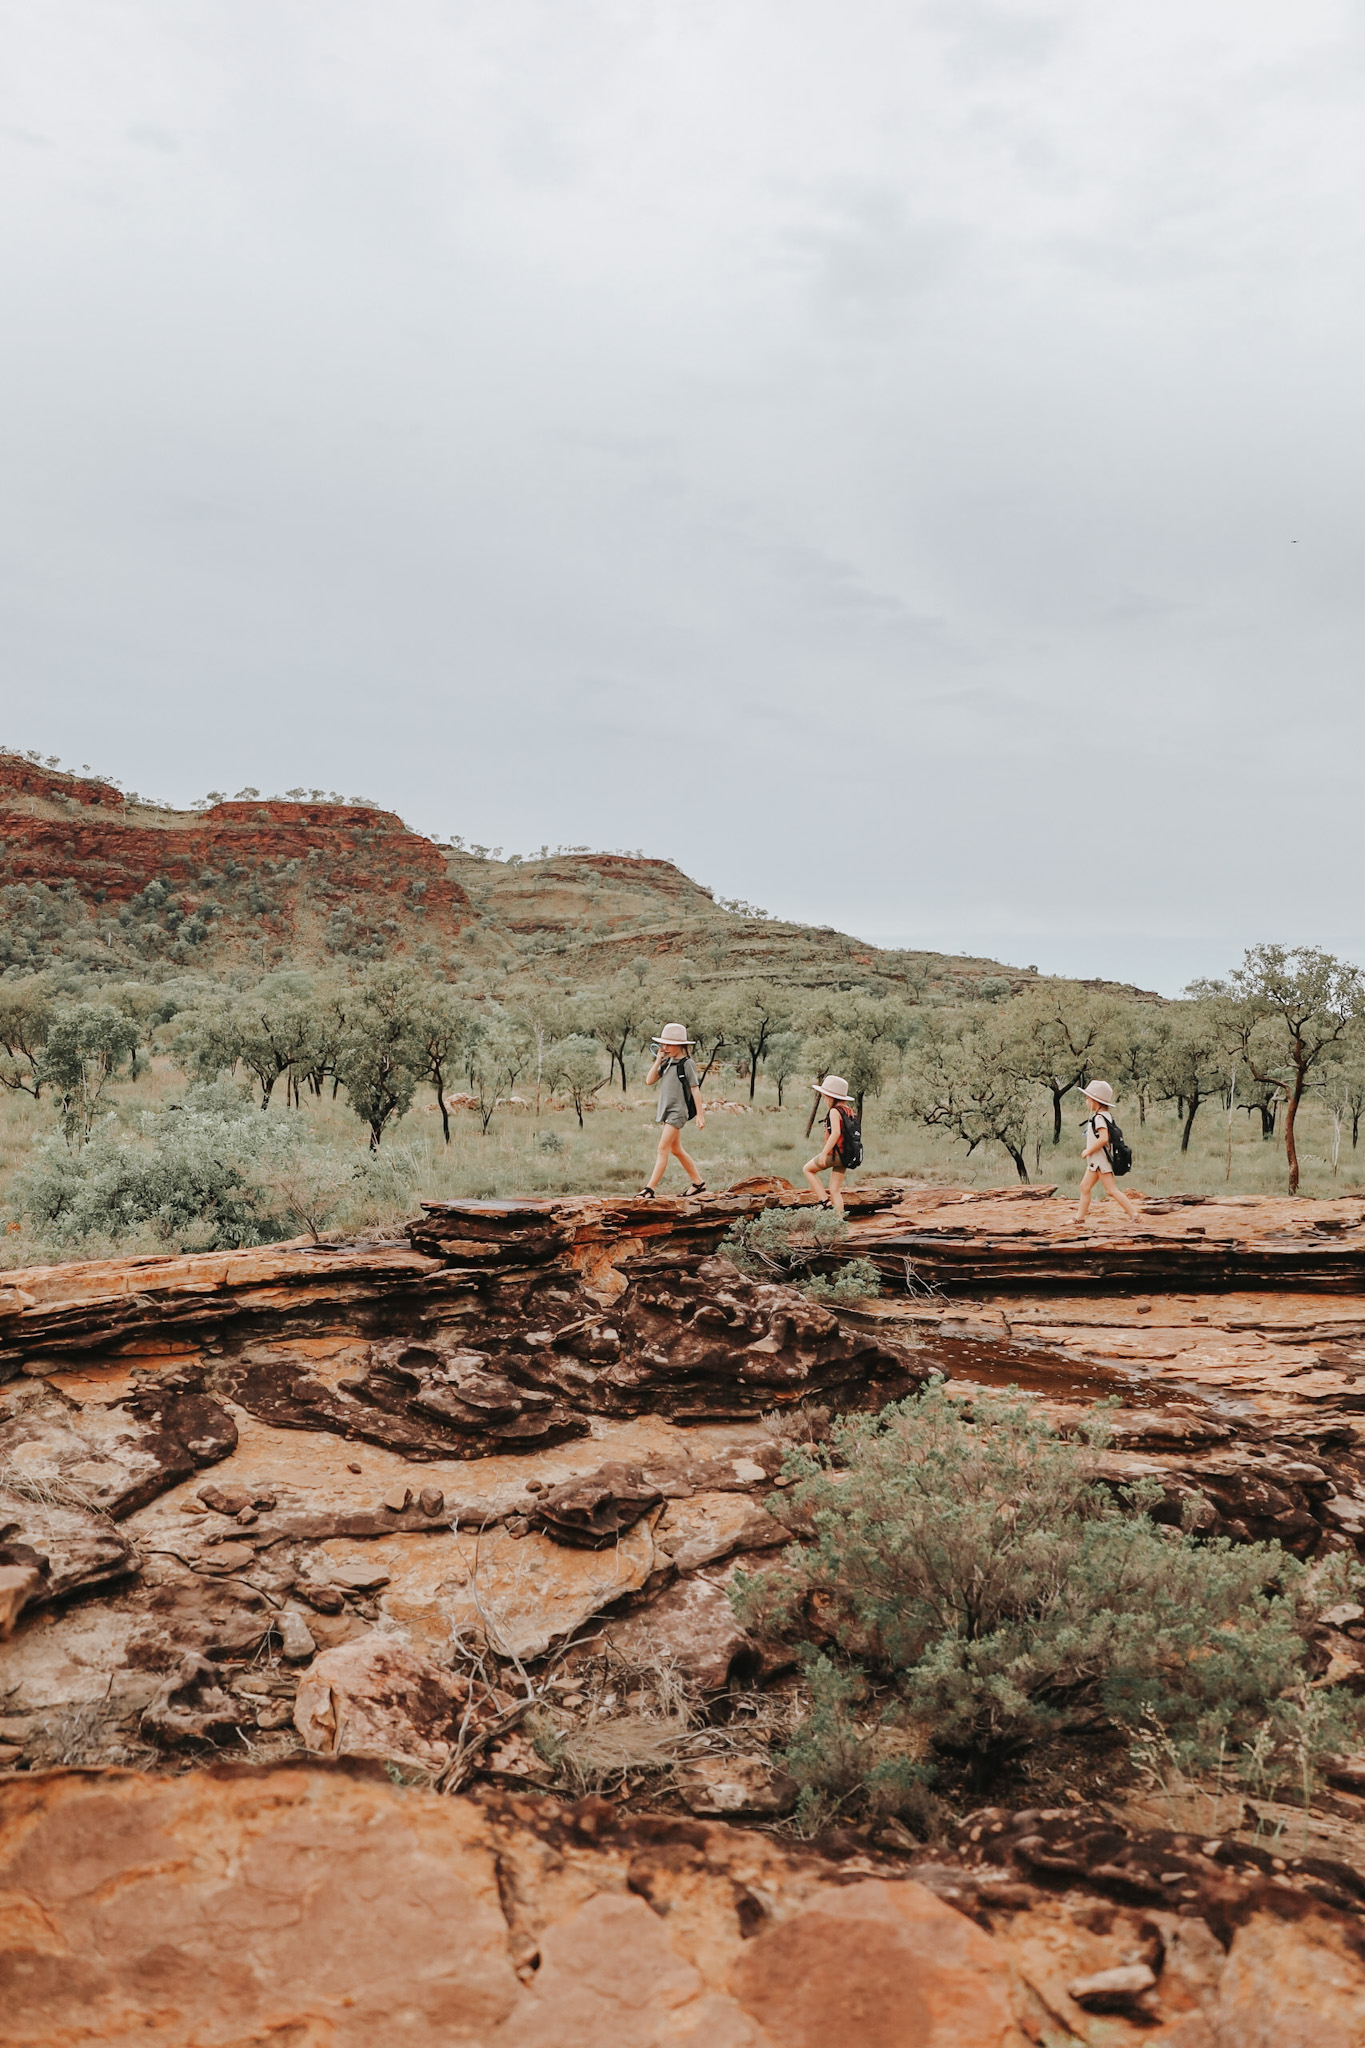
(697,1188)
(645,1195)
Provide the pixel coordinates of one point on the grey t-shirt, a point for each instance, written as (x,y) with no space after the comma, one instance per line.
(672,1107)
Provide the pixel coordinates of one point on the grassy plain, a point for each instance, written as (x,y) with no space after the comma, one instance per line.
(526,1153)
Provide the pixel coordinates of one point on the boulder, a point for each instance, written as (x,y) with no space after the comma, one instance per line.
(114,1458)
(595,1510)
(730,1787)
(374,1697)
(311,1906)
(73,1548)
(692,1628)
(710,1526)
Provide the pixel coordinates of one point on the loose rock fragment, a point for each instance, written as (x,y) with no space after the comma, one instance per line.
(358,1577)
(1112,1989)
(192,1707)
(225,1500)
(19,1584)
(324,1598)
(431,1500)
(296,1641)
(594,1510)
(724,1786)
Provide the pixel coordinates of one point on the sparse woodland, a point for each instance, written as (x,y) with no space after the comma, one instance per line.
(212,1110)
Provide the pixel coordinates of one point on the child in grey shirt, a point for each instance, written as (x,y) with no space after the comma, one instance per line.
(679,1102)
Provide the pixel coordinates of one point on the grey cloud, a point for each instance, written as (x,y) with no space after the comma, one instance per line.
(468,389)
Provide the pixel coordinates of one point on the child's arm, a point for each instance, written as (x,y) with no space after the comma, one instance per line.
(696,1096)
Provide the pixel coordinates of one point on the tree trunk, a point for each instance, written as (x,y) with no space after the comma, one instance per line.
(1267,1110)
(438,1082)
(810,1120)
(1194,1102)
(1057,1094)
(1017,1156)
(1355,1128)
(1142,1107)
(1291,1110)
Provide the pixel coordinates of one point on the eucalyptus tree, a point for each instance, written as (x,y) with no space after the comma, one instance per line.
(1293,1006)
(967,1077)
(85,1047)
(1191,1063)
(26,1012)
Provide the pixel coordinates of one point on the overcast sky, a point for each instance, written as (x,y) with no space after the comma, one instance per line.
(901,461)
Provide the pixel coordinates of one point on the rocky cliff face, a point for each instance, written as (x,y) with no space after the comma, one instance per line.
(349,1514)
(271,880)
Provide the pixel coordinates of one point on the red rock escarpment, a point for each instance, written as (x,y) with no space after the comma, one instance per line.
(299,864)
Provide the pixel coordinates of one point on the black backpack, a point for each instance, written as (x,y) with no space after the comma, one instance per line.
(850,1136)
(688,1097)
(1120,1151)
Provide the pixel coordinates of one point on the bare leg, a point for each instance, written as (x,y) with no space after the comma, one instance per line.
(813,1180)
(836,1189)
(1116,1194)
(671,1147)
(1087,1189)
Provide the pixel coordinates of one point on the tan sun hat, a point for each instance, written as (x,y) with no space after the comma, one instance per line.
(833,1085)
(673,1034)
(1101,1092)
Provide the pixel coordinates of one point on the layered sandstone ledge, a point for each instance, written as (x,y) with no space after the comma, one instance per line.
(328,1908)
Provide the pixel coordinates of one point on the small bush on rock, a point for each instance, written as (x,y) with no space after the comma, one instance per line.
(786,1244)
(971,1565)
(843,1760)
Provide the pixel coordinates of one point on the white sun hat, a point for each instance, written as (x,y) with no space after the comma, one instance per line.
(833,1085)
(1101,1092)
(673,1034)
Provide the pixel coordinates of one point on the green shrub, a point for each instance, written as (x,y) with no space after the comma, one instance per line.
(842,1762)
(786,1244)
(188,1183)
(854,1281)
(212,1175)
(972,1565)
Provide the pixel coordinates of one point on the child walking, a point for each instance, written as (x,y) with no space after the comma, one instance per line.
(1099,1163)
(843,1146)
(679,1103)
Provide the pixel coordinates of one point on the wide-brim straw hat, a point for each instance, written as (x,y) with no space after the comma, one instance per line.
(833,1085)
(1101,1092)
(673,1034)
